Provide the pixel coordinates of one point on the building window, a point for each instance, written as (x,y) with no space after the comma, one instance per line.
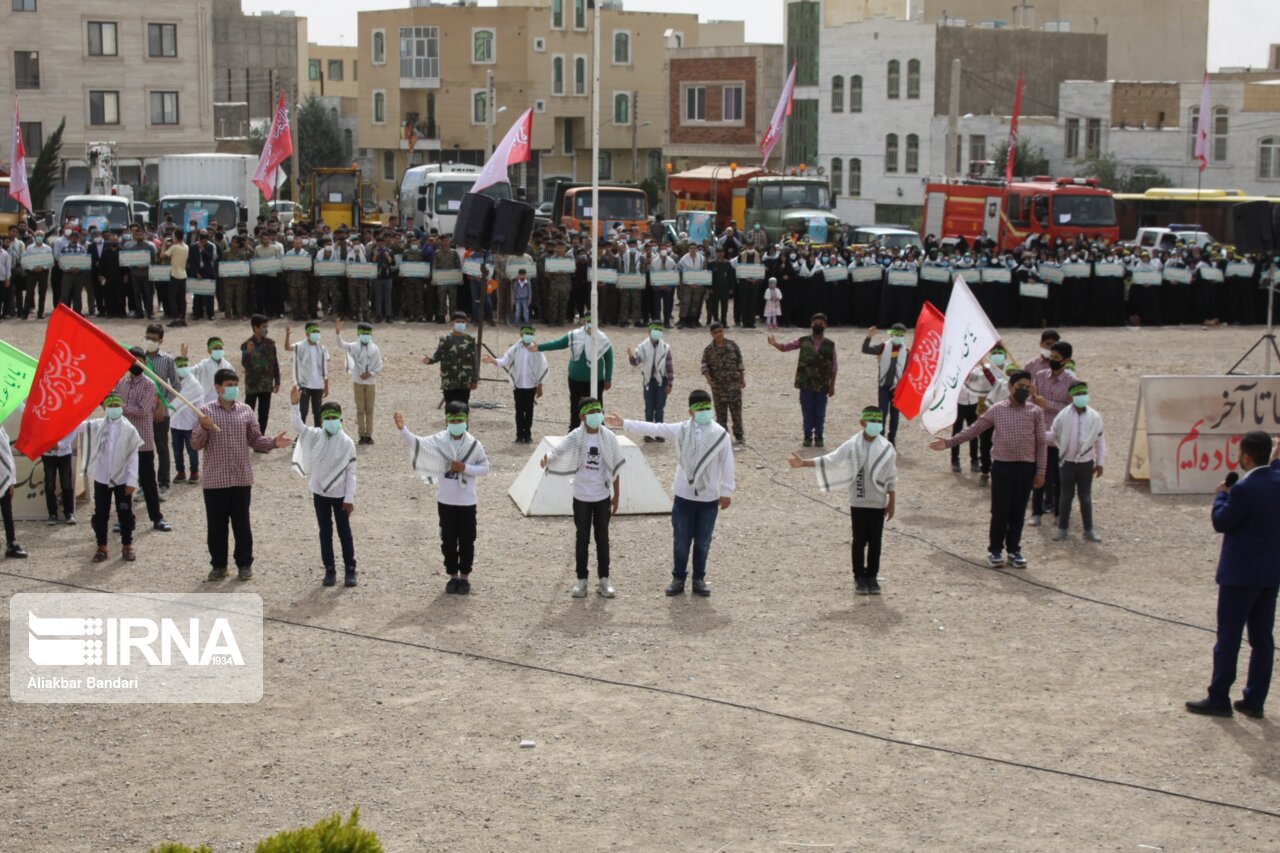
(695,103)
(622,108)
(348,143)
(355,70)
(1093,137)
(855,93)
(557,14)
(379,106)
(837,176)
(420,53)
(540,45)
(104,108)
(891,153)
(164,107)
(579,14)
(913,79)
(606,165)
(26,69)
(732,108)
(855,177)
(913,154)
(678,38)
(1220,127)
(837,94)
(1268,158)
(479,100)
(895,73)
(431,116)
(32,138)
(102,38)
(162,40)
(482,46)
(579,75)
(24,5)
(977,147)
(388,165)
(379,47)
(655,164)
(1071,148)
(622,48)
(568,147)
(313,69)
(557,74)
(335,70)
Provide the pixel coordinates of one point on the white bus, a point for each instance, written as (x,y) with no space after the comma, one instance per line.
(430,196)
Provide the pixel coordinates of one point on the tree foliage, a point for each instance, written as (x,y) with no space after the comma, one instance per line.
(1027,161)
(1118,177)
(319,139)
(47,168)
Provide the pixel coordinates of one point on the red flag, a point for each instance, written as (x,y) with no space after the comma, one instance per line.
(79,364)
(18,188)
(780,114)
(1013,134)
(514,148)
(922,362)
(275,150)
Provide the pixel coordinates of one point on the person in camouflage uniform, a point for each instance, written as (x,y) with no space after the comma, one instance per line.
(815,376)
(236,297)
(415,290)
(446,294)
(456,355)
(559,285)
(330,285)
(301,300)
(727,375)
(357,288)
(261,369)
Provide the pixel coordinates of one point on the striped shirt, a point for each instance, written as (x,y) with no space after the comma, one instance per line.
(1055,390)
(139,394)
(226,453)
(1019,433)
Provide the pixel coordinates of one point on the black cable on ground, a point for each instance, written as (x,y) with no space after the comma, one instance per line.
(712,700)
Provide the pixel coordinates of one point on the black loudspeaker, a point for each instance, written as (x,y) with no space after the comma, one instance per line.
(475,221)
(1253,226)
(512,227)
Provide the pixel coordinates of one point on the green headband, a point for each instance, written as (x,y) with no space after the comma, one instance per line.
(363,327)
(699,407)
(588,408)
(113,399)
(658,326)
(181,361)
(1079,387)
(526,330)
(215,343)
(873,416)
(325,411)
(312,327)
(455,418)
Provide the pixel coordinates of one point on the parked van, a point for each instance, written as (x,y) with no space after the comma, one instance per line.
(431,195)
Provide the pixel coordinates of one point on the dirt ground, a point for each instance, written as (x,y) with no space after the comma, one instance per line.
(954,658)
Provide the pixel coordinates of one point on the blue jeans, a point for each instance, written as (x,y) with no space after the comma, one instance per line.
(693,523)
(813,406)
(329,512)
(181,442)
(521,317)
(655,402)
(891,414)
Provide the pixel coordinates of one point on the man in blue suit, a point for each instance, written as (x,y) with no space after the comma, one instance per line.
(1248,576)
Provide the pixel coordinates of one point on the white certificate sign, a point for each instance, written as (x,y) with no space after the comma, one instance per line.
(201,286)
(998,275)
(296,263)
(631,281)
(447,278)
(1177,275)
(836,273)
(866,274)
(934,273)
(903,278)
(972,275)
(1109,270)
(697,278)
(159,273)
(330,269)
(355,269)
(1053,275)
(129,258)
(515,267)
(265,266)
(1075,270)
(1207,274)
(233,269)
(1034,290)
(751,272)
(75,262)
(415,269)
(38,259)
(1239,270)
(472,267)
(1147,278)
(559,265)
(664,278)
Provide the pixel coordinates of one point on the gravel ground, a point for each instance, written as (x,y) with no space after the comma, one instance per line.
(782,713)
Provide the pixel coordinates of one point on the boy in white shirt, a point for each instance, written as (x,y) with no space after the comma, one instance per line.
(591,454)
(526,368)
(1082,451)
(328,455)
(111,460)
(206,368)
(183,421)
(868,465)
(454,459)
(364,363)
(310,368)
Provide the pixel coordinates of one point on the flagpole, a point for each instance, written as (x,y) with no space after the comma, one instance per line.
(190,405)
(595,204)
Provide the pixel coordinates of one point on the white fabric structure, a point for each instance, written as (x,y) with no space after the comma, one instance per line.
(536,492)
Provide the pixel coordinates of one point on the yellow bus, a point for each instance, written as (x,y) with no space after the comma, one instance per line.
(1164,206)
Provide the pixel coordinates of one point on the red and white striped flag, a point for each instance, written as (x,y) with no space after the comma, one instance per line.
(275,150)
(18,162)
(1202,129)
(774,133)
(1013,134)
(514,148)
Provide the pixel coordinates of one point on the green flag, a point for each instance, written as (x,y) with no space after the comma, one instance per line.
(17,370)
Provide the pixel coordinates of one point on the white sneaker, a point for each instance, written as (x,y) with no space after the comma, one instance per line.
(164,493)
(1092,536)
(580,588)
(605,588)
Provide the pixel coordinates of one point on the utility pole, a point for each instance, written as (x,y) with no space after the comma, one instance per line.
(635,130)
(594,248)
(490,114)
(953,123)
(293,158)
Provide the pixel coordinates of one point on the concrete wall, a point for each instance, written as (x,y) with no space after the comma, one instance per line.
(255,56)
(325,54)
(722,33)
(758,66)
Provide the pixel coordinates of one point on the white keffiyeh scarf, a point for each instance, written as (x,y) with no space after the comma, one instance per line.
(306,354)
(330,456)
(567,457)
(840,469)
(364,358)
(537,364)
(653,361)
(432,455)
(8,474)
(696,456)
(128,443)
(579,344)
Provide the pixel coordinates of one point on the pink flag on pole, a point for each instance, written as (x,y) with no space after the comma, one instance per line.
(774,133)
(1013,133)
(18,162)
(514,148)
(1202,129)
(275,150)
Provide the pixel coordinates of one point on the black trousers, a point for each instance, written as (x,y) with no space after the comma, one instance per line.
(589,516)
(162,451)
(868,530)
(6,511)
(260,403)
(966,415)
(103,497)
(329,513)
(230,504)
(58,472)
(311,398)
(578,391)
(1010,487)
(524,412)
(744,304)
(147,482)
(457,537)
(177,299)
(460,394)
(1046,499)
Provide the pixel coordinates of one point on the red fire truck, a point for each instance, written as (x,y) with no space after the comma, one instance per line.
(1010,213)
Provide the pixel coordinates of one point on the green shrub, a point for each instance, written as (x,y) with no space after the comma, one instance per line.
(330,835)
(180,848)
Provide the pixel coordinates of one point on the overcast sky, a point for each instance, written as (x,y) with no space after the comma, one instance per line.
(1239,30)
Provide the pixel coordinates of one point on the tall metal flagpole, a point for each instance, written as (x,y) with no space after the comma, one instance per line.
(595,202)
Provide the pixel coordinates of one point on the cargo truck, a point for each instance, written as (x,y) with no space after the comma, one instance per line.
(209,188)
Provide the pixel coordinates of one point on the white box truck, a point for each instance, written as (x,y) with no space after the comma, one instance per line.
(431,195)
(208,188)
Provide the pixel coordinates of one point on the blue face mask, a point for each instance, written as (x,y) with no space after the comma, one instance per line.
(458,428)
(333,426)
(703,417)
(528,339)
(459,327)
(595,419)
(655,335)
(184,372)
(314,337)
(216,354)
(366,338)
(1080,400)
(114,413)
(997,359)
(874,429)
(231,393)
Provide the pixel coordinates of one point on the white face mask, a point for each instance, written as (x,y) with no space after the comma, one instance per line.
(150,345)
